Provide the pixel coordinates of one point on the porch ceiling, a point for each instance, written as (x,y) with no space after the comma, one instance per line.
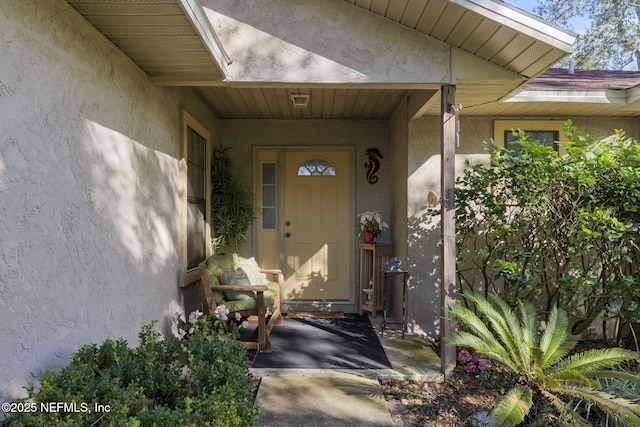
(337,103)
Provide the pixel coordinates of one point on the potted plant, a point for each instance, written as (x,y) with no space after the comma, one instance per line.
(371,224)
(232,209)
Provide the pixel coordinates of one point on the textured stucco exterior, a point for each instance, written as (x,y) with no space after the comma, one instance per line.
(328,41)
(89,191)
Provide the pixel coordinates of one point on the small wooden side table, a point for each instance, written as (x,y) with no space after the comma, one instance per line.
(405,278)
(372,259)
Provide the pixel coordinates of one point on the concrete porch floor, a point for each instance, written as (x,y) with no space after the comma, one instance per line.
(342,397)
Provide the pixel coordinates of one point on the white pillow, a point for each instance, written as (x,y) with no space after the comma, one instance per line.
(252,270)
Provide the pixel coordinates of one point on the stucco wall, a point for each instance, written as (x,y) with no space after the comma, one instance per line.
(424,176)
(399,128)
(323,41)
(89,191)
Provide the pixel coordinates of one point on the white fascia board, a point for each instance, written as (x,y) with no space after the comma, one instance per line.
(584,96)
(634,95)
(633,100)
(521,21)
(201,24)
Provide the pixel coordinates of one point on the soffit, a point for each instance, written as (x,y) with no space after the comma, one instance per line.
(489,29)
(333,103)
(165,38)
(580,93)
(560,110)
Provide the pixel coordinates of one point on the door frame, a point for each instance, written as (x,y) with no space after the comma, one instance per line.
(288,305)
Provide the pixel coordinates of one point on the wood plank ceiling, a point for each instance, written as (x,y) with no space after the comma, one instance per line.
(324,103)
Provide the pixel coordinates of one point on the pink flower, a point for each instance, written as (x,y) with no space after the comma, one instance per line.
(194,316)
(221,312)
(464,356)
(471,368)
(482,364)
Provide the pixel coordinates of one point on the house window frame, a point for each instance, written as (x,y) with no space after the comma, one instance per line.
(188,121)
(502,126)
(316,167)
(268,197)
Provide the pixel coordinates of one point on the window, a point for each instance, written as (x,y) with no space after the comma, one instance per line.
(316,167)
(196,155)
(196,199)
(545,137)
(545,131)
(268,199)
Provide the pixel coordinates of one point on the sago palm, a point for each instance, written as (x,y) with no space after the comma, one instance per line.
(511,338)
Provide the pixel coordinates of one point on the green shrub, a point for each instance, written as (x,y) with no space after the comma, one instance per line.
(547,378)
(206,382)
(555,229)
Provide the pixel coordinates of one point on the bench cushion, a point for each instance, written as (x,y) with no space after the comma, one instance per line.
(269,295)
(236,277)
(229,262)
(226,261)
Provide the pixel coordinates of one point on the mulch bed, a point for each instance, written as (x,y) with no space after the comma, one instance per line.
(451,403)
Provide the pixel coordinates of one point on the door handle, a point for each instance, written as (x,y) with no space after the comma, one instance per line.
(287,235)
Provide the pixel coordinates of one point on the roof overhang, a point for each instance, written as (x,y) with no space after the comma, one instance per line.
(620,100)
(165,38)
(174,43)
(488,29)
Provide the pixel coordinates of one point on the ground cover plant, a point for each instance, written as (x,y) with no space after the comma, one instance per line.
(472,396)
(546,377)
(556,226)
(203,381)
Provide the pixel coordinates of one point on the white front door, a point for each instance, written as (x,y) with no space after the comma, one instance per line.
(317,226)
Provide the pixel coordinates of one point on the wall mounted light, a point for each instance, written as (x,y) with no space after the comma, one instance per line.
(300,100)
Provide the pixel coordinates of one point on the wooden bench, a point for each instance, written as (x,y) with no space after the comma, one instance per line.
(263,311)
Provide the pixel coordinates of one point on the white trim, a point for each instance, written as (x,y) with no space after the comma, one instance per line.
(202,26)
(588,96)
(521,21)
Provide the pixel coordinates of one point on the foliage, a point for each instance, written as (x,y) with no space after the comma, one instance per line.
(547,377)
(232,209)
(372,221)
(621,387)
(555,229)
(613,37)
(147,385)
(208,325)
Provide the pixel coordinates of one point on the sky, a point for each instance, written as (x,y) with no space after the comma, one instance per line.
(579,24)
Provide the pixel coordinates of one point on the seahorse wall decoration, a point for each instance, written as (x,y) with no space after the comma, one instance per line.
(373,165)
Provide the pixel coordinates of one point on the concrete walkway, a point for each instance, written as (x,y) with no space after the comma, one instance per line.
(342,397)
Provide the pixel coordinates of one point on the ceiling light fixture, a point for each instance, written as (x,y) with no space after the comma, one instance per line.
(300,100)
